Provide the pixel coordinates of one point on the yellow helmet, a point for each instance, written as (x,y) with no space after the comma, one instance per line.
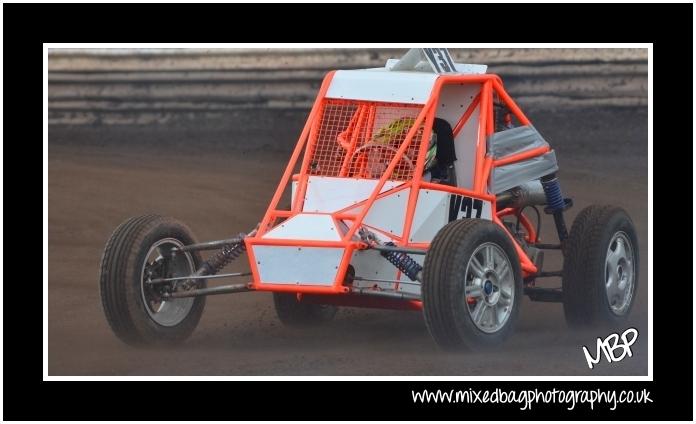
(397,130)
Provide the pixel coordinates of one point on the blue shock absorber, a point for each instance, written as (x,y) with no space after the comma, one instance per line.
(556,204)
(552,189)
(403,262)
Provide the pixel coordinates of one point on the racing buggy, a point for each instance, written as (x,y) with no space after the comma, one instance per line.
(411,187)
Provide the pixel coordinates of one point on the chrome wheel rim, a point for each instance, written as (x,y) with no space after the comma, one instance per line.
(619,273)
(159,263)
(489,290)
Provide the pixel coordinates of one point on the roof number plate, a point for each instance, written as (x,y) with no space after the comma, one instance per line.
(440,60)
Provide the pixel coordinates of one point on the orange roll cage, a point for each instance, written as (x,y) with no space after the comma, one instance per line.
(483,166)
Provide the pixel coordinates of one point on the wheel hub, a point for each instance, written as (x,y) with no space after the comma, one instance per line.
(619,273)
(489,287)
(160,264)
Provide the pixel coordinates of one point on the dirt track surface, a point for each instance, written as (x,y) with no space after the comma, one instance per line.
(93,189)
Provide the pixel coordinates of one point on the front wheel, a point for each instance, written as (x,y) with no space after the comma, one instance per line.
(472,285)
(138,252)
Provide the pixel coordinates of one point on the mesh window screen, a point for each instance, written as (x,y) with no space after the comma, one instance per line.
(359,139)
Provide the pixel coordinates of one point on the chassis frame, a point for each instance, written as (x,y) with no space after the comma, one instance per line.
(340,293)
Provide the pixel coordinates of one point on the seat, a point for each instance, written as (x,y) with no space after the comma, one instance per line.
(444,167)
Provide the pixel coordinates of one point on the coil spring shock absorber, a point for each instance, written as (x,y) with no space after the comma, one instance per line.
(227,254)
(552,189)
(556,203)
(218,261)
(403,262)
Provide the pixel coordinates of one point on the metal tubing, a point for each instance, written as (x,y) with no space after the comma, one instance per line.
(382,280)
(198,277)
(467,114)
(390,294)
(232,288)
(385,248)
(561,228)
(210,245)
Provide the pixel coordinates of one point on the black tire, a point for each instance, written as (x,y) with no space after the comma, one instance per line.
(121,283)
(294,313)
(445,306)
(585,299)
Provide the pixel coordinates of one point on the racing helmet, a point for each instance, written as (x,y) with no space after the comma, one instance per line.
(397,130)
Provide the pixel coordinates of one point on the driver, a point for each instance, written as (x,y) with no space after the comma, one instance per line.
(440,155)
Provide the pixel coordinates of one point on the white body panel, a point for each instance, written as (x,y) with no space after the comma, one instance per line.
(314,266)
(432,212)
(317,266)
(293,188)
(382,86)
(435,209)
(306,227)
(468,207)
(454,101)
(388,213)
(370,264)
(330,194)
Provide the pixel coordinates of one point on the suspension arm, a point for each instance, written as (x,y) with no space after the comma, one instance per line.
(232,288)
(210,245)
(387,248)
(197,277)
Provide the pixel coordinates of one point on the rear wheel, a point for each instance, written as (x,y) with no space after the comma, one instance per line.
(472,285)
(600,270)
(139,251)
(295,313)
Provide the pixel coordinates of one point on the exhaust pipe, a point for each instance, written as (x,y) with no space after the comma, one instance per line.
(527,194)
